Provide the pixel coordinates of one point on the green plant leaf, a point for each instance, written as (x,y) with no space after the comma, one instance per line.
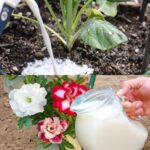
(101,34)
(71,130)
(79,79)
(25,121)
(11,77)
(29,79)
(68,144)
(61,146)
(42,144)
(28,122)
(110,9)
(94,13)
(47,145)
(65,78)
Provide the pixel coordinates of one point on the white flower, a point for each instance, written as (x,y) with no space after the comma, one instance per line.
(28,100)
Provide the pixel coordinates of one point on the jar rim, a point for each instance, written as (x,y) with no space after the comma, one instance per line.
(93,100)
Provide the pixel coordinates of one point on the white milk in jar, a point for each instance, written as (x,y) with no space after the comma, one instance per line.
(102,124)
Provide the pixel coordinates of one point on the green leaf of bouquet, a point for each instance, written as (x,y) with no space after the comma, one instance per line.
(65,78)
(20,123)
(25,121)
(38,117)
(28,122)
(11,77)
(61,146)
(29,79)
(70,131)
(42,144)
(79,79)
(101,34)
(42,80)
(46,145)
(68,144)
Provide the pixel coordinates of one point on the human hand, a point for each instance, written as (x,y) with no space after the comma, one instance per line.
(137,95)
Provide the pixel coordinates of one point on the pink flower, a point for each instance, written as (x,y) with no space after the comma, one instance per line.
(51,130)
(64,95)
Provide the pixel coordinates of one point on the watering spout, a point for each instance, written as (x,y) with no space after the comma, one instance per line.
(35,9)
(6,9)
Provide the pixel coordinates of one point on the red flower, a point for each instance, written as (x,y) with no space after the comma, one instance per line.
(64,95)
(51,130)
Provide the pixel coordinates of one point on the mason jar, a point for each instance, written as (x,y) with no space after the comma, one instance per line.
(102,124)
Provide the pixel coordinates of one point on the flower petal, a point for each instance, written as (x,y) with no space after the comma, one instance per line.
(83,88)
(32,92)
(58,93)
(65,105)
(42,137)
(49,135)
(40,123)
(64,124)
(70,113)
(57,139)
(65,84)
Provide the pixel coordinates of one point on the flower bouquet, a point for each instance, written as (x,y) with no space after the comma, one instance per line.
(46,103)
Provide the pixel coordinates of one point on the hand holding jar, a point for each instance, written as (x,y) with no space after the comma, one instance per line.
(101,123)
(137,93)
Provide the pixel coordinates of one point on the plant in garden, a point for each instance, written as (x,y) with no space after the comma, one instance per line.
(94,31)
(46,103)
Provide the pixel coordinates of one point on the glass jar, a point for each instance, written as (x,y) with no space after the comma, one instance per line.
(16,83)
(102,124)
(52,147)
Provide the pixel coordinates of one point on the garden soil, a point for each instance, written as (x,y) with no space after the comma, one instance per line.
(21,43)
(13,139)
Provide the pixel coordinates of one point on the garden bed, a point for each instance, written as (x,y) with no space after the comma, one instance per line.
(22,43)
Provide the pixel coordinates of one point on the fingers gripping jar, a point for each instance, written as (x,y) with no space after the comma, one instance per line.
(102,124)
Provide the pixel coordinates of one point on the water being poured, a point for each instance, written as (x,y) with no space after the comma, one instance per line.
(35,9)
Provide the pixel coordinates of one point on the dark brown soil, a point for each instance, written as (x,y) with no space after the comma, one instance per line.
(22,42)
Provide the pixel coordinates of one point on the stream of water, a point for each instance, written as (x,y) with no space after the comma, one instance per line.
(35,9)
